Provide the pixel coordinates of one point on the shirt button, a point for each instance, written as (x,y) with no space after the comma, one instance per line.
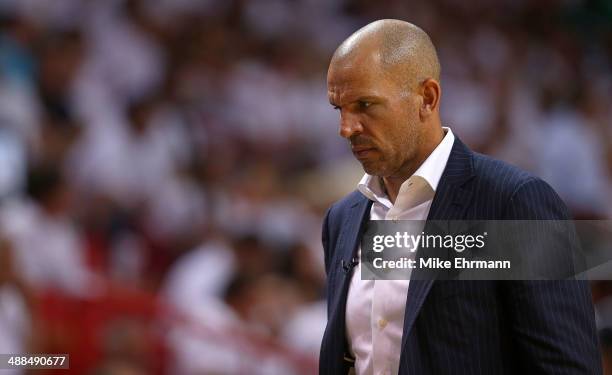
(382,323)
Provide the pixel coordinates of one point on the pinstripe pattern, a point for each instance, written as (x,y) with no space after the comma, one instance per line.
(472,327)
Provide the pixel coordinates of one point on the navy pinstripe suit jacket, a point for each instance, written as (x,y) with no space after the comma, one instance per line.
(471,327)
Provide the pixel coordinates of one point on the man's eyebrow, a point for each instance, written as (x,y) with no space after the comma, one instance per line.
(368,98)
(362,98)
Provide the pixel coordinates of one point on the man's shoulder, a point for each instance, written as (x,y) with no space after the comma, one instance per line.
(501,176)
(526,196)
(493,177)
(340,206)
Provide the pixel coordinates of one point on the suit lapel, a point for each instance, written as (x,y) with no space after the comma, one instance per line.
(352,228)
(335,336)
(450,203)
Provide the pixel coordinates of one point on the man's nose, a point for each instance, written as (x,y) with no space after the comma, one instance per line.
(349,126)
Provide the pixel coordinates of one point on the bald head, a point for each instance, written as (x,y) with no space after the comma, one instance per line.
(384,81)
(398,48)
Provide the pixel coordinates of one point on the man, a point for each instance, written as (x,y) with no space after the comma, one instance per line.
(385,82)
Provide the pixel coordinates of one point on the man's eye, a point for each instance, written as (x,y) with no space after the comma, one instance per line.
(364,104)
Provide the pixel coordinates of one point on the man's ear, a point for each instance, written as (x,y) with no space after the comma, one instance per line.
(430,92)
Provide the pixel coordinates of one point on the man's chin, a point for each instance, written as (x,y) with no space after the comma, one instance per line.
(373,169)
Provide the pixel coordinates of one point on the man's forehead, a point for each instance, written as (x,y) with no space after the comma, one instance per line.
(355,77)
(356,69)
(347,91)
(348,83)
(365,56)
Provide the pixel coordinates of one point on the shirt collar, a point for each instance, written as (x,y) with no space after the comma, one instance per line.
(431,170)
(372,188)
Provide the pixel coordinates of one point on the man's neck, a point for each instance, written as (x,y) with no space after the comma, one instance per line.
(392,184)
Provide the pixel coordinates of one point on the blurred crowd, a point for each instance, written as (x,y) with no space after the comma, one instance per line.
(165,164)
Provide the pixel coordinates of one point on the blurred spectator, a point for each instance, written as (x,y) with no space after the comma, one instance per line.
(200,274)
(49,252)
(16,326)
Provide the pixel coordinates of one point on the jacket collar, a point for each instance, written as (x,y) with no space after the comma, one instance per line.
(450,203)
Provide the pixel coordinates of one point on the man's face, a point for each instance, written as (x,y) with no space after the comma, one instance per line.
(378,117)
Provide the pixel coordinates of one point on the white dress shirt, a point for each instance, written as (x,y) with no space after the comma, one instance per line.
(375,308)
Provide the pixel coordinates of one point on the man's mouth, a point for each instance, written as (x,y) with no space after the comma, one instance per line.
(362,151)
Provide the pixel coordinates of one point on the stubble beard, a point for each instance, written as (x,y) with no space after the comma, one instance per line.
(399,166)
